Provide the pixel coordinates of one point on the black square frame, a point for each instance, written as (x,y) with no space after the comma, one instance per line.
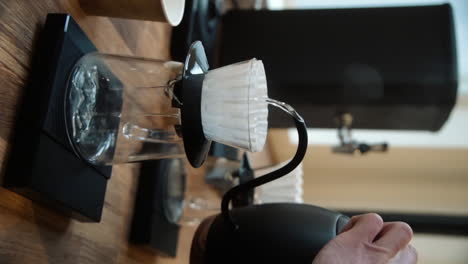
(42,164)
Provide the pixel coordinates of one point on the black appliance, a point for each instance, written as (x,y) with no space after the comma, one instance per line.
(389,68)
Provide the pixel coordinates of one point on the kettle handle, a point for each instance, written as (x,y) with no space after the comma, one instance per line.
(290,166)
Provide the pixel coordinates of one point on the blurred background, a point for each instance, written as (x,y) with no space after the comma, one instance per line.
(423,173)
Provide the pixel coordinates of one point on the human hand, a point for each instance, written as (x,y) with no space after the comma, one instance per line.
(366,239)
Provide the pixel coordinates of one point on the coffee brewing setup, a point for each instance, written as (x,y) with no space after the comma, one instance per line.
(99,109)
(93,110)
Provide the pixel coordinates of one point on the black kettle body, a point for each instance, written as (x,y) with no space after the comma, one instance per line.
(272,233)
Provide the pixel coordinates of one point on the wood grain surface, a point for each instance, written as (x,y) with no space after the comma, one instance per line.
(30,232)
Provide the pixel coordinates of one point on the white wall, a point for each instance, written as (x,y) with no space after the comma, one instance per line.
(452,135)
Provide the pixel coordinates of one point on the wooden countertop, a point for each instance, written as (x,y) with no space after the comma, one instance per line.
(30,232)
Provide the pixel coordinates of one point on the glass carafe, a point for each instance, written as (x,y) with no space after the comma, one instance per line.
(122,109)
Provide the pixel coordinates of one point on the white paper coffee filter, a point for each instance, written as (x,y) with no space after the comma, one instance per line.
(234,110)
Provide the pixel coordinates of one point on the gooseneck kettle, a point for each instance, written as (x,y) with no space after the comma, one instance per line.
(269,233)
(126,109)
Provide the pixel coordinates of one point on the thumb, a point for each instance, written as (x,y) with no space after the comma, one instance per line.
(363,227)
